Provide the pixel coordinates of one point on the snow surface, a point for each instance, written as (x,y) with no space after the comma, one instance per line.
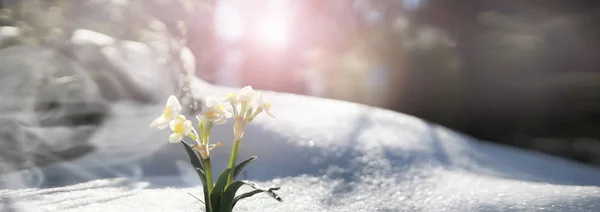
(327,155)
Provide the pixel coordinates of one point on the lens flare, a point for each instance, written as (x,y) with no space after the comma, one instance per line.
(228,23)
(272,30)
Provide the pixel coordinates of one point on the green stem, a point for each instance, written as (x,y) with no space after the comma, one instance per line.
(208,173)
(234,106)
(232,161)
(205,128)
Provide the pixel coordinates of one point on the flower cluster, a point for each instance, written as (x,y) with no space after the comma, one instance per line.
(245,106)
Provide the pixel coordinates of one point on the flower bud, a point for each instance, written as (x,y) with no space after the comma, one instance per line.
(239,126)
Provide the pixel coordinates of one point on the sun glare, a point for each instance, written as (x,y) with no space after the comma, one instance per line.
(228,23)
(267,26)
(272,30)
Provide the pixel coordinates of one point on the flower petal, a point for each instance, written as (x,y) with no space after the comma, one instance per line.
(259,97)
(201,118)
(226,114)
(220,121)
(247,94)
(187,127)
(173,102)
(175,138)
(246,89)
(173,124)
(212,101)
(160,123)
(230,97)
(270,114)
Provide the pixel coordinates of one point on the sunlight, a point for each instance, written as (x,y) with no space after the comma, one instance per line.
(267,26)
(228,23)
(272,30)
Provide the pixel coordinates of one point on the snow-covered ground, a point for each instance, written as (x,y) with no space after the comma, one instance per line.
(326,155)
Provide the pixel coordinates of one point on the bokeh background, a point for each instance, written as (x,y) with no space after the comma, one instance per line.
(524,73)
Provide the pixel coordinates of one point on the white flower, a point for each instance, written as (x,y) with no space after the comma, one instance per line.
(181,128)
(264,105)
(231,98)
(246,98)
(171,112)
(247,95)
(214,111)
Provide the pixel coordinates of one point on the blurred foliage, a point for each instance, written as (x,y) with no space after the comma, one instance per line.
(529,71)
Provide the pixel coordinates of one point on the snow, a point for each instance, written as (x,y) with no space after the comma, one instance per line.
(327,155)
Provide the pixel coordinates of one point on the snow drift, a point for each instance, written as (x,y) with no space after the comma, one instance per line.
(327,155)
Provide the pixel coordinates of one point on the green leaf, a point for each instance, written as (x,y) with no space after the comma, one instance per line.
(196,197)
(239,167)
(217,191)
(257,191)
(207,203)
(193,157)
(200,170)
(229,195)
(228,198)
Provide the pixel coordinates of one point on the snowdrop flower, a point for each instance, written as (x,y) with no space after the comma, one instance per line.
(247,98)
(247,95)
(213,111)
(263,105)
(231,98)
(171,112)
(181,128)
